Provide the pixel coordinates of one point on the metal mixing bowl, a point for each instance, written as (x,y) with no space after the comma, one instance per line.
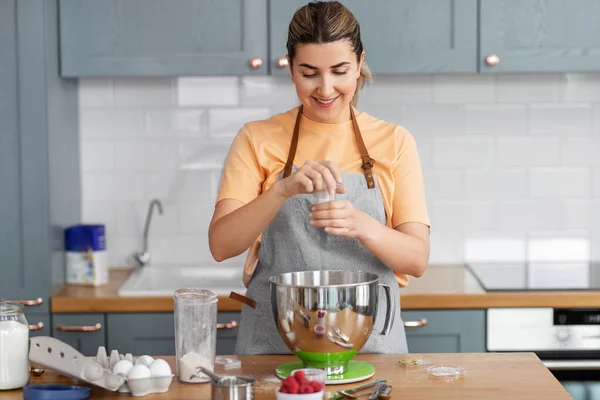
(326,317)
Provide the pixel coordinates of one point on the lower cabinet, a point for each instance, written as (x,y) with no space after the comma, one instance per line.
(39,324)
(85,332)
(445,331)
(154,333)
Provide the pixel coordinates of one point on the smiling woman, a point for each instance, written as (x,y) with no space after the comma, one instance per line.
(375,217)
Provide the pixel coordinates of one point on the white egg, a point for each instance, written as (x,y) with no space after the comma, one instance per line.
(160,367)
(139,371)
(122,367)
(146,360)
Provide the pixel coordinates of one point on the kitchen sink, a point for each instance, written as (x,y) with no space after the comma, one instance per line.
(164,280)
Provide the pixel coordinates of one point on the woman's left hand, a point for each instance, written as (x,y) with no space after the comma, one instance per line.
(341,218)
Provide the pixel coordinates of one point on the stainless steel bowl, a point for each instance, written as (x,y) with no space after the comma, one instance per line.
(326,317)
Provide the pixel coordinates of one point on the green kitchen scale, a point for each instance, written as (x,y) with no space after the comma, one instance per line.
(357,371)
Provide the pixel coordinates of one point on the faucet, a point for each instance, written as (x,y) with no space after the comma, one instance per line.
(142,258)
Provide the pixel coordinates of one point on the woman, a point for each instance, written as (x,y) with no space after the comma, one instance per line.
(378,221)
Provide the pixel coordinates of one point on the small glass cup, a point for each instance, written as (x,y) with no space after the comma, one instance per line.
(195,333)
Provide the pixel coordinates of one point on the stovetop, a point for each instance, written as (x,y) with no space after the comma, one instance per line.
(531,276)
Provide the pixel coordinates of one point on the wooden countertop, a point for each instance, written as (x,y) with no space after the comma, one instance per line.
(442,287)
(488,376)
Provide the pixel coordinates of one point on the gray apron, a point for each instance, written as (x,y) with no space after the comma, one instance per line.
(290,243)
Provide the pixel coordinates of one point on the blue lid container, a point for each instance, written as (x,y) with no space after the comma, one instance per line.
(55,392)
(81,238)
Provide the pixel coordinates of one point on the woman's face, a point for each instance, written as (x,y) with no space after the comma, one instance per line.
(326,76)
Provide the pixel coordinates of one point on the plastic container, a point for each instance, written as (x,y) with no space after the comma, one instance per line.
(195,333)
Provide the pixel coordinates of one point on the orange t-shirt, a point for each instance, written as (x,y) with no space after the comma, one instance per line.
(260,149)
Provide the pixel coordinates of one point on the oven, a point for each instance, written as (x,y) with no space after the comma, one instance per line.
(566,340)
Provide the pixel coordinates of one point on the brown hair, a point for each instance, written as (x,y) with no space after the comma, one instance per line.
(326,22)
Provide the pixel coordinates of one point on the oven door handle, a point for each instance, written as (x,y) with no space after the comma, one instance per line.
(566,365)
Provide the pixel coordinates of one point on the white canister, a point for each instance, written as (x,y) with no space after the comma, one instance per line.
(14,346)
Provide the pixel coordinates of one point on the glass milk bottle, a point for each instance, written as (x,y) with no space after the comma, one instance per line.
(195,333)
(14,346)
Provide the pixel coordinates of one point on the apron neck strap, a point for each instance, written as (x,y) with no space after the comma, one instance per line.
(367,161)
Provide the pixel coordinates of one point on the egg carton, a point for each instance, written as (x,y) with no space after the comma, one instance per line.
(54,354)
(135,386)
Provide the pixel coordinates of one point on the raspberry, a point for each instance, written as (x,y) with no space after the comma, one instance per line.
(291,385)
(306,388)
(300,376)
(316,385)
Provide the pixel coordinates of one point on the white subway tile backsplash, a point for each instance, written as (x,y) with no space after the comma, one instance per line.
(147,155)
(528,88)
(581,214)
(263,91)
(596,182)
(110,186)
(463,152)
(207,91)
(97,155)
(529,214)
(463,216)
(444,184)
(95,92)
(143,92)
(176,123)
(560,182)
(580,151)
(194,219)
(527,151)
(226,122)
(581,87)
(460,89)
(496,119)
(131,218)
(497,184)
(506,156)
(434,119)
(110,124)
(566,119)
(396,90)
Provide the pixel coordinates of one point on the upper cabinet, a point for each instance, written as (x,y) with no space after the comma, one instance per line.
(540,35)
(248,37)
(163,38)
(408,36)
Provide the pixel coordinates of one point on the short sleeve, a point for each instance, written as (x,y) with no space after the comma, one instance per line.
(242,176)
(409,203)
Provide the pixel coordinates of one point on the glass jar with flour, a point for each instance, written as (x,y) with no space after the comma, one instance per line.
(195,333)
(14,346)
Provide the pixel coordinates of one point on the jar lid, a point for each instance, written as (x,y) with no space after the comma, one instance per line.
(55,392)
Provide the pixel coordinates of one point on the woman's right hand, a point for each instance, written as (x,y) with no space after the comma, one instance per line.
(312,177)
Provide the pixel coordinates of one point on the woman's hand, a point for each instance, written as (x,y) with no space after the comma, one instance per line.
(341,218)
(312,177)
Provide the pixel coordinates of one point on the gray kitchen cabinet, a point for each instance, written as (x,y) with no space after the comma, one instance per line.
(539,36)
(162,38)
(85,332)
(154,333)
(39,324)
(408,36)
(445,331)
(39,156)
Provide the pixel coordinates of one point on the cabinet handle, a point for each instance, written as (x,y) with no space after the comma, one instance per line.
(415,324)
(282,62)
(228,325)
(79,328)
(29,303)
(492,60)
(36,327)
(256,63)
